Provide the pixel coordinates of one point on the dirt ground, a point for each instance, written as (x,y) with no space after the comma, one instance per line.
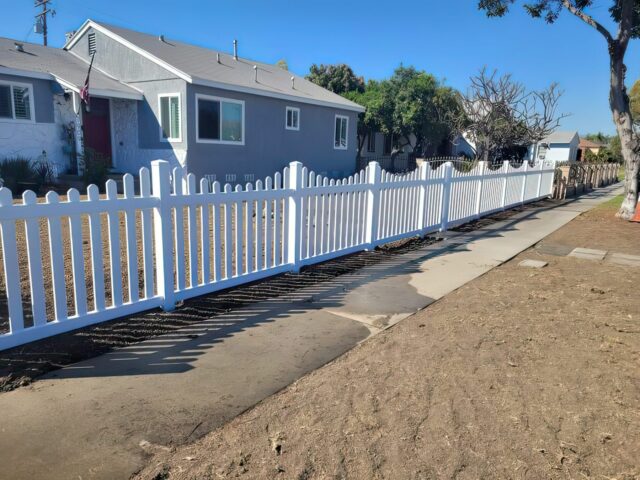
(522,374)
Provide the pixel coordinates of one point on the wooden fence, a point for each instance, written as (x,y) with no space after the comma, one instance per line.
(115,255)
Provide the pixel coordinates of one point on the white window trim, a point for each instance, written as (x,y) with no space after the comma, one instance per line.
(13,107)
(346,142)
(286,115)
(177,139)
(219,99)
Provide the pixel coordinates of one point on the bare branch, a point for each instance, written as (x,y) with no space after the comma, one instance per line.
(589,20)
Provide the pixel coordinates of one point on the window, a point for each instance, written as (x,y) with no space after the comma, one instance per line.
(16,102)
(219,120)
(170,117)
(340,133)
(91,42)
(388,144)
(371,142)
(293,118)
(542,151)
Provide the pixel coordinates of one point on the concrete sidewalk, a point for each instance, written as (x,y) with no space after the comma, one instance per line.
(99,419)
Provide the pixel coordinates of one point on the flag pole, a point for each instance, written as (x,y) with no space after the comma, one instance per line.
(84,91)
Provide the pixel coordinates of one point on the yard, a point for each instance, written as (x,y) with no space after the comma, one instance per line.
(521,373)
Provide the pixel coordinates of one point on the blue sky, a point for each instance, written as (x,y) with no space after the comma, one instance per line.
(449,38)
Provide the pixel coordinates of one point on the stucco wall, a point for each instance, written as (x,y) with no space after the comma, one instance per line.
(268,145)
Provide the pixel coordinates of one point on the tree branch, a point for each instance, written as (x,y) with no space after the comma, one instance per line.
(589,20)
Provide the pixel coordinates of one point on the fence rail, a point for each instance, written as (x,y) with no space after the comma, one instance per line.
(69,264)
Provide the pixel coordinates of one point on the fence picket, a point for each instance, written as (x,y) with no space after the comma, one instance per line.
(115,268)
(192,233)
(34,255)
(95,241)
(130,231)
(77,257)
(10,263)
(56,255)
(204,233)
(178,232)
(147,239)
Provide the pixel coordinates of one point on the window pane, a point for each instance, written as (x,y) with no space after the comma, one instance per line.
(289,118)
(337,133)
(164,117)
(6,109)
(175,117)
(208,119)
(231,122)
(21,103)
(294,114)
(343,133)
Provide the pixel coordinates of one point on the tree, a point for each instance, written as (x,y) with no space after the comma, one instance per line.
(598,137)
(500,115)
(634,98)
(626,14)
(339,79)
(282,63)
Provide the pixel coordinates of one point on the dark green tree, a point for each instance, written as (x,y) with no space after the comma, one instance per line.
(339,78)
(626,15)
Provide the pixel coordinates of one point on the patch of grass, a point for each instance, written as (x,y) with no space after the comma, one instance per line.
(613,204)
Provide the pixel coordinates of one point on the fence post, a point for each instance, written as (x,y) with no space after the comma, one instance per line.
(294,215)
(483,167)
(540,173)
(422,197)
(374,179)
(524,182)
(161,189)
(507,166)
(446,196)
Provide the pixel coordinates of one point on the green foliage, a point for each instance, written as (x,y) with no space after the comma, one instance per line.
(598,138)
(282,63)
(634,97)
(339,79)
(96,168)
(15,171)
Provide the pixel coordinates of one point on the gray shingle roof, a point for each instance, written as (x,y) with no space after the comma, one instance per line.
(560,137)
(61,64)
(201,65)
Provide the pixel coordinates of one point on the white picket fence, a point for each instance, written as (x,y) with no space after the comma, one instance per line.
(179,241)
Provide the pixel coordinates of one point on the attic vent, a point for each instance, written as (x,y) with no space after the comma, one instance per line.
(18,46)
(92,43)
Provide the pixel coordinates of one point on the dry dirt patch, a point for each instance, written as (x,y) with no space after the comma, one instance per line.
(519,374)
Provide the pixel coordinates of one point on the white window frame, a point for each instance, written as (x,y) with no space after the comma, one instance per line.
(346,140)
(177,139)
(218,99)
(13,106)
(286,118)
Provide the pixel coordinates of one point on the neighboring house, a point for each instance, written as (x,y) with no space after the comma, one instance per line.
(222,117)
(558,147)
(588,146)
(377,144)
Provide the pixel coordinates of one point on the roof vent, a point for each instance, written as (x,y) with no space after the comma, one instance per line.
(18,46)
(161,38)
(235,49)
(293,82)
(218,57)
(255,69)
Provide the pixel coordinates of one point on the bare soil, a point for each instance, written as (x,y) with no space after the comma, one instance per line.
(521,373)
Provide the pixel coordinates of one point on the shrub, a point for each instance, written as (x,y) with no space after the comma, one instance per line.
(96,168)
(15,171)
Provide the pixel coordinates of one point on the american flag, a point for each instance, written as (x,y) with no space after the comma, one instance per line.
(84,91)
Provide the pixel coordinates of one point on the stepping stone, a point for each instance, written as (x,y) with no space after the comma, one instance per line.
(622,259)
(554,249)
(588,254)
(532,263)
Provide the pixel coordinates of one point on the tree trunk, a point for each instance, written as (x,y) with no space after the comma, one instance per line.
(621,110)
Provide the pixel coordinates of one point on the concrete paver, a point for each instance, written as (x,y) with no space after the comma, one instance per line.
(528,263)
(100,418)
(623,259)
(588,253)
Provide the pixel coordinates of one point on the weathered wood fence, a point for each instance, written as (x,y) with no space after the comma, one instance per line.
(172,241)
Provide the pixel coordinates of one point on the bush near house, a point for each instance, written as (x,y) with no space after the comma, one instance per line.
(19,174)
(96,167)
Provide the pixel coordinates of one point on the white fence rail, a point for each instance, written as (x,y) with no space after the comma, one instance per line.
(68,264)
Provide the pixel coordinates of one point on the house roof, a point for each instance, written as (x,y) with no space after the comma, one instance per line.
(584,143)
(199,66)
(37,61)
(560,137)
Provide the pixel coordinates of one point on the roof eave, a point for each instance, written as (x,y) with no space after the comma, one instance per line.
(284,96)
(16,72)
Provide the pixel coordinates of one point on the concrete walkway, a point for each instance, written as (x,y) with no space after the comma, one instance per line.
(99,419)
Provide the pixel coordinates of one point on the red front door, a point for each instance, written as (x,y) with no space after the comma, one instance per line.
(96,125)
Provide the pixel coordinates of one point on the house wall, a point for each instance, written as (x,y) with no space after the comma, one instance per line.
(268,145)
(151,79)
(44,137)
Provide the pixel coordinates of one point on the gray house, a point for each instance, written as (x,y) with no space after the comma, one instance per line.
(221,116)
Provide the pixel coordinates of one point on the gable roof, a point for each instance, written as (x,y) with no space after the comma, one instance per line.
(37,61)
(560,137)
(584,143)
(199,66)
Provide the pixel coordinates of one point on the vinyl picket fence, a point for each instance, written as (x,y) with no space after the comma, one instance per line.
(173,241)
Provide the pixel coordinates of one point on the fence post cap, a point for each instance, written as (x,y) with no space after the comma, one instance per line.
(6,198)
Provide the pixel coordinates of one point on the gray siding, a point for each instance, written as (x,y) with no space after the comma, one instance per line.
(42,96)
(268,145)
(128,66)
